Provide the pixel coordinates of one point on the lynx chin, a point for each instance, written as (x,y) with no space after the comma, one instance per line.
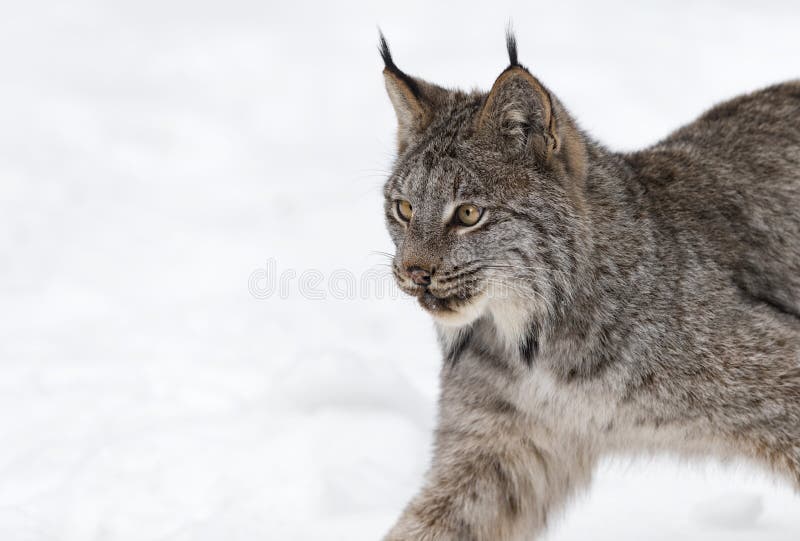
(653,299)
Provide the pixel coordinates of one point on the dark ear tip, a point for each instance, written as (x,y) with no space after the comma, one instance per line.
(386,55)
(389,65)
(511,45)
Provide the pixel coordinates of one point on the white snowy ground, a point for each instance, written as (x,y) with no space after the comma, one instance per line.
(153,155)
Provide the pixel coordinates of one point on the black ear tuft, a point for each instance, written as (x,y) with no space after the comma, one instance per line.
(511,45)
(389,65)
(383,47)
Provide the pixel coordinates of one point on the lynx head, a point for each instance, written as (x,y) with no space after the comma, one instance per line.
(485,200)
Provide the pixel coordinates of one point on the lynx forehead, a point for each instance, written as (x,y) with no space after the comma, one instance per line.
(590,302)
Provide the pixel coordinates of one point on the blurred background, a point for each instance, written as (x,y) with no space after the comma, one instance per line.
(190,201)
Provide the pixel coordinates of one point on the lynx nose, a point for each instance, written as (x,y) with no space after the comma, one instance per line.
(419,275)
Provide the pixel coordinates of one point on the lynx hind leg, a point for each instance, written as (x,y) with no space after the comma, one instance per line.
(778,287)
(794,455)
(787,463)
(778,442)
(792,389)
(767,268)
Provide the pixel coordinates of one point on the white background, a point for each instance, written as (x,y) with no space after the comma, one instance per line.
(154,154)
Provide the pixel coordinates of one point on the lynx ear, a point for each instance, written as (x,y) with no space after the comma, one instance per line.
(520,113)
(414,100)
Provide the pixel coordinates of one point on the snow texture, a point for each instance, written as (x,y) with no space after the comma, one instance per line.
(158,158)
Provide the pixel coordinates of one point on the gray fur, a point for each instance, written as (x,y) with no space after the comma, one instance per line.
(650,300)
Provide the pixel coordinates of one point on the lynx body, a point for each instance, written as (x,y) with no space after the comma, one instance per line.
(601,303)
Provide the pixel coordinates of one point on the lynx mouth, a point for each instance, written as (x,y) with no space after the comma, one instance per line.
(443,305)
(435,304)
(454,309)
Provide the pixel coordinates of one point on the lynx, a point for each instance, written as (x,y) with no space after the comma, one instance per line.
(651,299)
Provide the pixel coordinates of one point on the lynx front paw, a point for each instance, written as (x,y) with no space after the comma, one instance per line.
(423,534)
(410,528)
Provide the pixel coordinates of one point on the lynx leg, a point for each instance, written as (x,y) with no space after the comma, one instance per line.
(492,487)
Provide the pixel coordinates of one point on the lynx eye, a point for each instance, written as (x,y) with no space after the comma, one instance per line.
(468,214)
(404,210)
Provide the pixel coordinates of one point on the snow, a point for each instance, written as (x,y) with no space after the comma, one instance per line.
(156,154)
